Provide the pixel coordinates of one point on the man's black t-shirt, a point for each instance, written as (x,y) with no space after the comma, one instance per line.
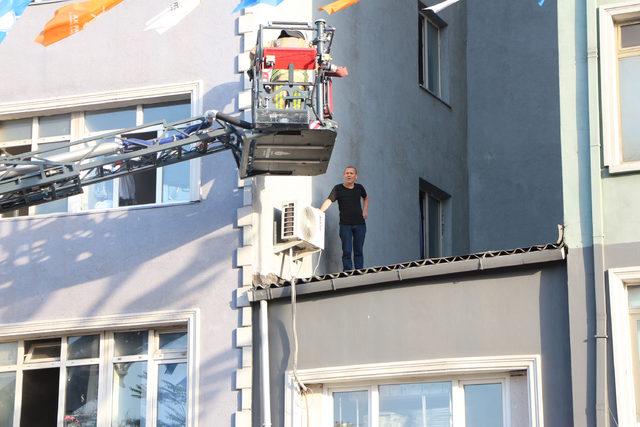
(349,203)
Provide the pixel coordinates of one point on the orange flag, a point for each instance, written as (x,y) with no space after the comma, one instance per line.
(338,5)
(72,18)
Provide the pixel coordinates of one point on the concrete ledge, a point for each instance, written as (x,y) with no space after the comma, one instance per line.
(243,378)
(243,336)
(409,273)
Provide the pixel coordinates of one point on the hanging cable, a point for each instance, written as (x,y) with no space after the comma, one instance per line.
(301,387)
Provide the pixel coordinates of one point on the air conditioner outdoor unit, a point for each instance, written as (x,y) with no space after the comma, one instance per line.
(304,224)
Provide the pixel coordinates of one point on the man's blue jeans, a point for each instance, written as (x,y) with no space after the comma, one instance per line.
(352,237)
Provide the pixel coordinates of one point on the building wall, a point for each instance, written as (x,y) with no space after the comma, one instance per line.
(514,128)
(617,211)
(512,312)
(394,131)
(133,260)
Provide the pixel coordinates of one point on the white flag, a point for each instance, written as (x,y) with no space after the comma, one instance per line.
(171,16)
(438,7)
(7,20)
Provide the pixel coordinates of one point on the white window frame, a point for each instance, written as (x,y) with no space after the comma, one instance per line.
(78,104)
(619,280)
(457,396)
(426,21)
(164,321)
(610,18)
(360,377)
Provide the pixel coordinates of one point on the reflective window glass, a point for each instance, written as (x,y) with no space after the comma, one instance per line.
(131,343)
(483,405)
(176,185)
(629,107)
(351,409)
(8,353)
(81,401)
(630,35)
(433,57)
(12,130)
(100,195)
(435,226)
(175,178)
(129,394)
(426,404)
(169,112)
(7,397)
(173,341)
(634,296)
(118,118)
(57,125)
(83,347)
(41,349)
(172,395)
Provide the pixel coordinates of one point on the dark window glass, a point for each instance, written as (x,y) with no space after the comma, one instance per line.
(39,397)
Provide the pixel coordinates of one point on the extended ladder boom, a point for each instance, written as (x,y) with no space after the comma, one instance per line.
(40,176)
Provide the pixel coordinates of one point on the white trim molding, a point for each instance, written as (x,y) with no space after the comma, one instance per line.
(619,279)
(294,403)
(57,327)
(99,100)
(609,17)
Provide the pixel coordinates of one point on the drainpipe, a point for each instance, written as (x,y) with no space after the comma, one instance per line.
(264,365)
(602,404)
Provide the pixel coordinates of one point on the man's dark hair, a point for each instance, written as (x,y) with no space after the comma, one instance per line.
(291,33)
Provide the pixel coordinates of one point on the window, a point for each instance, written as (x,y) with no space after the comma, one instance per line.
(430,31)
(620,65)
(122,378)
(485,392)
(480,404)
(432,201)
(629,90)
(170,184)
(624,297)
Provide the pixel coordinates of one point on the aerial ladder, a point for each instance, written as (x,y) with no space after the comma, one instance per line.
(291,131)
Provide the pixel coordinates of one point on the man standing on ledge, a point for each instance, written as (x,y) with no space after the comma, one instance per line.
(352,217)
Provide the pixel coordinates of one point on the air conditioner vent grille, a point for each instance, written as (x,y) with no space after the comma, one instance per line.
(288,220)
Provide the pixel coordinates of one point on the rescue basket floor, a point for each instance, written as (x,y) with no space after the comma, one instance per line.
(303,152)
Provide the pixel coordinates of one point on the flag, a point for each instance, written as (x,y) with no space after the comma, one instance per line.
(436,8)
(338,5)
(72,18)
(248,3)
(171,16)
(10,11)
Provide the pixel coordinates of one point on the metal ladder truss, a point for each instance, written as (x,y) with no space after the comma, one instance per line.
(42,176)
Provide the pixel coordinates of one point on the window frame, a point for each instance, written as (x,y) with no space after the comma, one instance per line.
(458,409)
(426,191)
(106,326)
(424,20)
(610,19)
(620,279)
(78,105)
(473,370)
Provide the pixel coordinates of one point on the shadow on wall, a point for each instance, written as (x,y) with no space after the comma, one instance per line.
(123,261)
(555,349)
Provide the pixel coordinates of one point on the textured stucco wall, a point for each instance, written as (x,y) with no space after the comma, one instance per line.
(514,156)
(394,131)
(135,260)
(517,311)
